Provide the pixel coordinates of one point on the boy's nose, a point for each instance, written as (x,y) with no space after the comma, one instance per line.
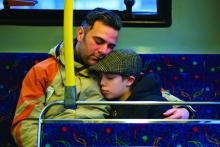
(102,82)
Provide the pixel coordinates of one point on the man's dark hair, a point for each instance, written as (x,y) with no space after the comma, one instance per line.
(107,17)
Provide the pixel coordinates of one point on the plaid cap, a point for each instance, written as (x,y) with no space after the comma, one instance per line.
(121,61)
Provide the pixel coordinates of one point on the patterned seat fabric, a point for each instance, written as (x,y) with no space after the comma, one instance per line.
(189,77)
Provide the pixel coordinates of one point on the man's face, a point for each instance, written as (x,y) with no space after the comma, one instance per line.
(113,86)
(96,43)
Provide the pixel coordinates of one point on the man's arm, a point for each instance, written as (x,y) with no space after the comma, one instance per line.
(89,90)
(176,112)
(29,106)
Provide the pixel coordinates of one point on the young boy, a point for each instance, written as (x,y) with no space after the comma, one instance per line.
(120,79)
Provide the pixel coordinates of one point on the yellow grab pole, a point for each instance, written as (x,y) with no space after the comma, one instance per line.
(68,42)
(70,87)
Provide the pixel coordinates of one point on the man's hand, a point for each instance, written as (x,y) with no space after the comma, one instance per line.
(176,113)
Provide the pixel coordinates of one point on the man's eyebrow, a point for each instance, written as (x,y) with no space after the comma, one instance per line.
(99,38)
(112,45)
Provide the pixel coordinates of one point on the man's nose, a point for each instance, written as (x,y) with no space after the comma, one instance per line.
(104,50)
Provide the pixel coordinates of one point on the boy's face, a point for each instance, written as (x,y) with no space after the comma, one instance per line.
(113,86)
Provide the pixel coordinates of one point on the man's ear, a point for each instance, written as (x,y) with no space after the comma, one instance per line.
(80,33)
(130,80)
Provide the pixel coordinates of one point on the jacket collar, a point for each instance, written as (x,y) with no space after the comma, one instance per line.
(58,53)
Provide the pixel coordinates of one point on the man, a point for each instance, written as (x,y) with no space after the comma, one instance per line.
(45,82)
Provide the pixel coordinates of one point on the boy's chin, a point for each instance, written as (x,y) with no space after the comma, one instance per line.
(110,98)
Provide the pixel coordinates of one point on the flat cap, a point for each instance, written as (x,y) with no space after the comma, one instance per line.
(120,61)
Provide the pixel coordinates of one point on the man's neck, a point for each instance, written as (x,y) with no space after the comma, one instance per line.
(77,57)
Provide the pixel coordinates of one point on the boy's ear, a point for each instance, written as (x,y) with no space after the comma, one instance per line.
(80,33)
(130,80)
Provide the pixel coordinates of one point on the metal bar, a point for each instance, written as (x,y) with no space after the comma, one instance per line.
(200,121)
(142,103)
(41,120)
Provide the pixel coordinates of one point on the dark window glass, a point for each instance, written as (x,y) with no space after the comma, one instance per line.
(139,6)
(151,13)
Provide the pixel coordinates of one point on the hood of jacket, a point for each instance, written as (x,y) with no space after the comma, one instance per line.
(149,84)
(58,53)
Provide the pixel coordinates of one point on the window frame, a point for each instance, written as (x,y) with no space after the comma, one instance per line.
(55,17)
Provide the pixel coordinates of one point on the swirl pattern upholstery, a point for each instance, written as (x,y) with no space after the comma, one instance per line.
(191,77)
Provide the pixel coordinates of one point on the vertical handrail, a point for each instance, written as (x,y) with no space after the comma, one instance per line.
(40,120)
(70,85)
